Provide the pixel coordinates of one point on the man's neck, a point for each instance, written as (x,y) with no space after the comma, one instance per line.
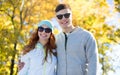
(69,29)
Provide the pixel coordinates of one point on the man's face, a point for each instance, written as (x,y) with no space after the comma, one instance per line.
(64,18)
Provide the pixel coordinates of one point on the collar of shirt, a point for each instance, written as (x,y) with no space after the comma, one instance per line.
(39,45)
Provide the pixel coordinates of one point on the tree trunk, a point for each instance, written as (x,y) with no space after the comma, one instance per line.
(13,60)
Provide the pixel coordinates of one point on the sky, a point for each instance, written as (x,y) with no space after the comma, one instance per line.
(115,19)
(115,60)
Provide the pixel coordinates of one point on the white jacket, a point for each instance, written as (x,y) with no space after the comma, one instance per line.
(34,64)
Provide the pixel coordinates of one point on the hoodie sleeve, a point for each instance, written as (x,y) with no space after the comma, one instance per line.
(26,60)
(92,55)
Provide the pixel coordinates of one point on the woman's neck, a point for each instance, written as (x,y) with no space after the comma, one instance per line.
(43,42)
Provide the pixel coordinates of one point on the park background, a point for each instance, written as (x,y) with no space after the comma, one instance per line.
(19,18)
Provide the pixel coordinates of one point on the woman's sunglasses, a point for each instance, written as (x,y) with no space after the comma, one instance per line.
(47,30)
(66,15)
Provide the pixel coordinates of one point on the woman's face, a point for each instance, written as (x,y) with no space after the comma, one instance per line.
(44,32)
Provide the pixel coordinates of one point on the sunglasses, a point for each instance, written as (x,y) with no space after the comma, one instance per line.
(66,15)
(47,30)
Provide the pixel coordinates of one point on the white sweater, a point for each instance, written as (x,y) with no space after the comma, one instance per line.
(34,64)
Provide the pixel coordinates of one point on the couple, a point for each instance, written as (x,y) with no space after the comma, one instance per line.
(71,52)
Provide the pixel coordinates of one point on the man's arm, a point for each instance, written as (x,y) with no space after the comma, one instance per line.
(24,64)
(92,56)
(20,65)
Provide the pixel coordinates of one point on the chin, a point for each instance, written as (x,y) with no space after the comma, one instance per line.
(44,38)
(66,25)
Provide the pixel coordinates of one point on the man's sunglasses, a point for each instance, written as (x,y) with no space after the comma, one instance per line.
(66,15)
(47,30)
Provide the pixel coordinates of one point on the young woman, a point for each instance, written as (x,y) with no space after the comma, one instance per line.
(39,56)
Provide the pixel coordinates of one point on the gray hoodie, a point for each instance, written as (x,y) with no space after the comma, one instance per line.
(77,53)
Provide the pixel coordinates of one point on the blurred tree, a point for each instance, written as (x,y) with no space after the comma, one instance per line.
(117,5)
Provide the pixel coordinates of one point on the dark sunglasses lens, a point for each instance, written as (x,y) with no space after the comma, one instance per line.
(67,15)
(59,16)
(48,30)
(40,29)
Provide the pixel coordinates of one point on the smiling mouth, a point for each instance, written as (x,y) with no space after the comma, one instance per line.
(65,22)
(43,35)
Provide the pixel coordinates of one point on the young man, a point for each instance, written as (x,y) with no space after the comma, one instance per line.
(76,48)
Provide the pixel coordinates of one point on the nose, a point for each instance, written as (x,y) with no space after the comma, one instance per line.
(63,18)
(43,31)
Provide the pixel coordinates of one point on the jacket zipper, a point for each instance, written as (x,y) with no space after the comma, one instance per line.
(65,41)
(66,38)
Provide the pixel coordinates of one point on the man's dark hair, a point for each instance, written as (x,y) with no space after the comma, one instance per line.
(62,6)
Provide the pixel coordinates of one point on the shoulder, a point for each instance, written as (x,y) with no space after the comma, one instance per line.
(59,35)
(82,31)
(30,53)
